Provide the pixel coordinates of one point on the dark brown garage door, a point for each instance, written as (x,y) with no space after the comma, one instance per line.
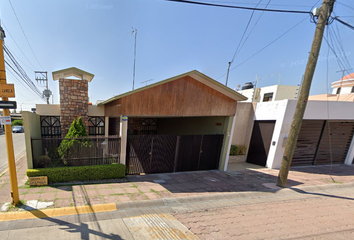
(323,142)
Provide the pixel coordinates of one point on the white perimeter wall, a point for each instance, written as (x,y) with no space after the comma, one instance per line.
(283,111)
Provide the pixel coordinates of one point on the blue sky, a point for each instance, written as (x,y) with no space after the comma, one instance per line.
(172,38)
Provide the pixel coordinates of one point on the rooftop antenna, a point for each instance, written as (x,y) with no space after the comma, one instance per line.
(147,81)
(134,32)
(343,71)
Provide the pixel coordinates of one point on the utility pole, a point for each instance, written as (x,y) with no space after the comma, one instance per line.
(325,12)
(42,76)
(228,70)
(134,32)
(8,132)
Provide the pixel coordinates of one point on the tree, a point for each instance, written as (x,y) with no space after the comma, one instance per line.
(72,142)
(17,123)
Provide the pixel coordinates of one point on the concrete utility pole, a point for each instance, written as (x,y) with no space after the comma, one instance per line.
(325,12)
(8,132)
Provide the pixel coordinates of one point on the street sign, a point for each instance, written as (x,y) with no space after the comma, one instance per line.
(7,90)
(8,105)
(6,120)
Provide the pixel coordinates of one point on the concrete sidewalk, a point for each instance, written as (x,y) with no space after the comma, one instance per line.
(135,189)
(143,207)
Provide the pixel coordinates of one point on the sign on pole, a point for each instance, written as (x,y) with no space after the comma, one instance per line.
(7,90)
(8,104)
(5,120)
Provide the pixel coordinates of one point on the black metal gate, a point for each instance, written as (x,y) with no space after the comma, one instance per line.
(171,153)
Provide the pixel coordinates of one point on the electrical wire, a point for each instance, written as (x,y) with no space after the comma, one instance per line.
(240,7)
(8,32)
(16,67)
(21,77)
(340,63)
(249,34)
(20,82)
(337,38)
(25,35)
(266,46)
(244,33)
(328,123)
(344,23)
(345,5)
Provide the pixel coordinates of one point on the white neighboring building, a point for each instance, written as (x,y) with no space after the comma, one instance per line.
(327,132)
(269,93)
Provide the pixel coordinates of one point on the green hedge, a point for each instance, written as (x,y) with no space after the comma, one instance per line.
(86,173)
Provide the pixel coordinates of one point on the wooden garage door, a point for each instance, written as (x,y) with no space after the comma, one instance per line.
(323,142)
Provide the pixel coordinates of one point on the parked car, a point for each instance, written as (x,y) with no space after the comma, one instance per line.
(18,129)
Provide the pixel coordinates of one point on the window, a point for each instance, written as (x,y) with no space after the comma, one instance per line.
(96,126)
(148,126)
(50,126)
(338,91)
(352,91)
(267,97)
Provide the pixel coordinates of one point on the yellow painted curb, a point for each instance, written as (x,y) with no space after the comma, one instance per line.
(56,212)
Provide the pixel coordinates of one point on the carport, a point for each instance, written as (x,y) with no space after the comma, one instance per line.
(182,123)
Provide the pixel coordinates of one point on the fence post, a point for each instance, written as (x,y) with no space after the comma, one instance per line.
(123,132)
(176,154)
(200,151)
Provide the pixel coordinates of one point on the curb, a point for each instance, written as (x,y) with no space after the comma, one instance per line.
(57,212)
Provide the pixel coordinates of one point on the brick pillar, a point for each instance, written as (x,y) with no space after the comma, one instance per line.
(73,102)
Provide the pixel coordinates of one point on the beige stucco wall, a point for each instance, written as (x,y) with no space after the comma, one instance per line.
(31,123)
(54,110)
(243,124)
(95,111)
(48,109)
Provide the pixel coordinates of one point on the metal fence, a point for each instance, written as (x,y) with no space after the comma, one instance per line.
(82,152)
(172,153)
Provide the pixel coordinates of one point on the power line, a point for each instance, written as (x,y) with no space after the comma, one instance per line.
(8,32)
(338,39)
(266,46)
(19,75)
(19,81)
(340,64)
(24,34)
(244,33)
(240,7)
(344,23)
(345,5)
(20,72)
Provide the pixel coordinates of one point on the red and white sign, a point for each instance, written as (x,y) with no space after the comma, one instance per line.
(6,120)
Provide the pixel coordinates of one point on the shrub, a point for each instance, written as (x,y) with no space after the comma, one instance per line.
(68,146)
(233,150)
(241,150)
(17,123)
(237,150)
(43,161)
(86,173)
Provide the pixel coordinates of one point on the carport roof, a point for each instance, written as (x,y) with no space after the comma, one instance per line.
(195,75)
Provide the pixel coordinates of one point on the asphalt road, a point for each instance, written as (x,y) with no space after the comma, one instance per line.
(19,148)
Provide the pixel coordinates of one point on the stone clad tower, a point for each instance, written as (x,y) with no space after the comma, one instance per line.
(73,96)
